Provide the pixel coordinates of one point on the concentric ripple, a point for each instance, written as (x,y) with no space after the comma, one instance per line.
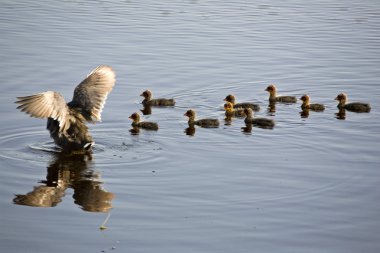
(110,147)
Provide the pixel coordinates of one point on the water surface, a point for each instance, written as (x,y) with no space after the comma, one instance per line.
(308,185)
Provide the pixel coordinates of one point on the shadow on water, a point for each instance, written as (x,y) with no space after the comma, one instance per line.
(69,171)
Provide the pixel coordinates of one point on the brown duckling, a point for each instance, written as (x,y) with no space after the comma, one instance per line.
(274,98)
(231,112)
(353,107)
(231,98)
(157,101)
(261,122)
(66,122)
(207,123)
(307,106)
(145,124)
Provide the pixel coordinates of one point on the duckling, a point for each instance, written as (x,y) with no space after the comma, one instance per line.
(274,98)
(231,112)
(307,106)
(231,98)
(261,122)
(156,102)
(353,107)
(146,125)
(207,123)
(66,122)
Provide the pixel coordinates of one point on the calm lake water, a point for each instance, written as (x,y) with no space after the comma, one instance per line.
(309,185)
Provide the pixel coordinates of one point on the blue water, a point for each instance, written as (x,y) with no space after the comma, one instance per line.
(308,185)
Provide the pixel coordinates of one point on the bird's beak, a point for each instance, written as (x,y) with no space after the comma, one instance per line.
(142,94)
(130,117)
(225,99)
(336,98)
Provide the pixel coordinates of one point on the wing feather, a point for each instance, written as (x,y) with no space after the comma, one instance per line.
(45,105)
(91,94)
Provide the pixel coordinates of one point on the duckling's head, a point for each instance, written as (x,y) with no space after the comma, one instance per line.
(248,111)
(230,98)
(305,98)
(146,94)
(342,98)
(190,114)
(228,106)
(135,117)
(271,89)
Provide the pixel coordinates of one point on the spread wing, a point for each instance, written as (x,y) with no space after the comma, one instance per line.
(44,105)
(91,94)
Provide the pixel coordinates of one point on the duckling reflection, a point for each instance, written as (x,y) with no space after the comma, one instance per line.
(190,131)
(247,129)
(304,113)
(341,114)
(146,110)
(228,120)
(69,172)
(271,108)
(134,130)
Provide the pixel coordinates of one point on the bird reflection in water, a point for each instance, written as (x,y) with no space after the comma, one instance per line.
(69,172)
(146,110)
(247,129)
(228,120)
(304,113)
(271,108)
(190,131)
(134,130)
(341,114)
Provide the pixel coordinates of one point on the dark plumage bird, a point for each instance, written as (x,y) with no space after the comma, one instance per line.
(261,122)
(274,98)
(231,112)
(231,98)
(67,121)
(354,107)
(307,106)
(148,100)
(208,123)
(145,124)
